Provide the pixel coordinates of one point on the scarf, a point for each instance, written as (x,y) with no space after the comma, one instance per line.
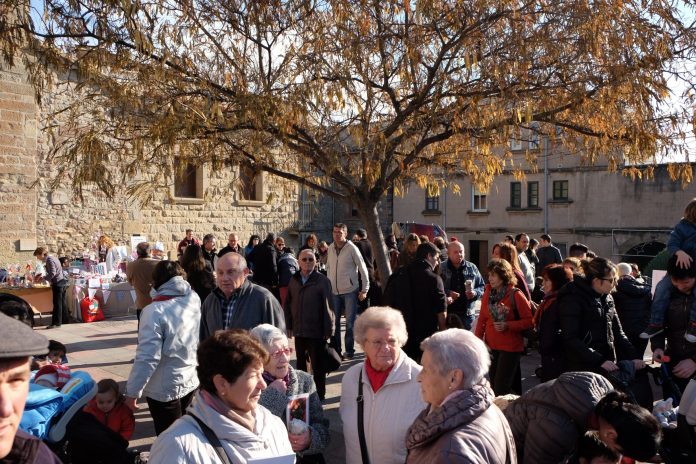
(377,378)
(246,419)
(496,296)
(268,378)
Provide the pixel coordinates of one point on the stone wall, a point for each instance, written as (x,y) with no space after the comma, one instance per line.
(67,225)
(18,167)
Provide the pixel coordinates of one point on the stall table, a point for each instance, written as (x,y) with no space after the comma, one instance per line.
(40,298)
(118,303)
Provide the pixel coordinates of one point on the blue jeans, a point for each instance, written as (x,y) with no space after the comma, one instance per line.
(663,294)
(347,302)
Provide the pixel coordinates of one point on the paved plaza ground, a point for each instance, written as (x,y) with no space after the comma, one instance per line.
(106,350)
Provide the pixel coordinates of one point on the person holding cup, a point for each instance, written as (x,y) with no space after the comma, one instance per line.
(505,314)
(463,286)
(308,440)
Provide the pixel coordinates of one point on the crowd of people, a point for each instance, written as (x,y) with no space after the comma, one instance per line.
(441,377)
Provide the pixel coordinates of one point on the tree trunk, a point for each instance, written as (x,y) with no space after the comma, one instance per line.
(370,216)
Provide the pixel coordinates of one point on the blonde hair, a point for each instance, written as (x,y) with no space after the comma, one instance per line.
(106,241)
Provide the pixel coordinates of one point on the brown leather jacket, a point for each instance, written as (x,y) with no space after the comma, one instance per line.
(468,428)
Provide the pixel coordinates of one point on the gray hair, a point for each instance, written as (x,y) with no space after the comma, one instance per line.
(267,334)
(624,269)
(380,317)
(459,349)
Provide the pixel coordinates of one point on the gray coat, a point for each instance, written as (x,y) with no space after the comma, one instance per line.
(468,428)
(276,402)
(255,305)
(548,420)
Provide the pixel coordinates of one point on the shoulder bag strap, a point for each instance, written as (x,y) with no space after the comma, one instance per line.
(513,303)
(361,429)
(213,440)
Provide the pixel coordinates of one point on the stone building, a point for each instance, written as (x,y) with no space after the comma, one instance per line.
(573,202)
(208,202)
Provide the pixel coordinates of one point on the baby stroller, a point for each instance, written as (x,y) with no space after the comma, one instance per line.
(48,411)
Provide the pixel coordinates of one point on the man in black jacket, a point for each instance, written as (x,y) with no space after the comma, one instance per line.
(632,300)
(309,317)
(264,257)
(547,254)
(374,295)
(682,353)
(418,292)
(17,343)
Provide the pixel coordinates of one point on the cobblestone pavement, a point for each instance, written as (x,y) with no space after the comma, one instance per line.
(106,350)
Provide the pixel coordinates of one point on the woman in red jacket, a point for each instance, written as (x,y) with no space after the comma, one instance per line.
(505,314)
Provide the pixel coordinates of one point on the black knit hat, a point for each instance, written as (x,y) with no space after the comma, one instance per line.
(18,339)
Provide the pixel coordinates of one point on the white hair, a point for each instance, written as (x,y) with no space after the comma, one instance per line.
(624,269)
(459,349)
(267,334)
(380,317)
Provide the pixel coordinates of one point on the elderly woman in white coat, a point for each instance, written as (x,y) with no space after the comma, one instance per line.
(164,370)
(225,416)
(390,390)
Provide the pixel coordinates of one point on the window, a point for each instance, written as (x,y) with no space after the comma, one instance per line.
(533,195)
(534,137)
(515,194)
(515,143)
(187,182)
(478,200)
(249,184)
(560,190)
(432,199)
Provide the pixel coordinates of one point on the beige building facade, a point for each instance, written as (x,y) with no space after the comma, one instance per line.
(615,216)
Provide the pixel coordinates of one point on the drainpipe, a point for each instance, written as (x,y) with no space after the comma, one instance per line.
(546,184)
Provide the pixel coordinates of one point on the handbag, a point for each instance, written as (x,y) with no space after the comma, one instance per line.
(330,358)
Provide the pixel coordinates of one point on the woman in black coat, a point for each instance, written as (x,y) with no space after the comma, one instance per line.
(198,272)
(547,323)
(592,335)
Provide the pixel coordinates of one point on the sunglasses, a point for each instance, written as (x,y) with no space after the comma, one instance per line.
(287,351)
(307,260)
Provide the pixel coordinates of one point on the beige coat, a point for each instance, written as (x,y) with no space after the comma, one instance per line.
(388,413)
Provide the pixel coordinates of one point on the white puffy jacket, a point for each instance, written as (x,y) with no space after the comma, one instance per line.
(387,414)
(184,442)
(165,360)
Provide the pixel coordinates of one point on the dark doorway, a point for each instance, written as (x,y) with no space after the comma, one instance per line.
(643,253)
(478,253)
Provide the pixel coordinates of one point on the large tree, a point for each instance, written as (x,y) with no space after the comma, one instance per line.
(352,97)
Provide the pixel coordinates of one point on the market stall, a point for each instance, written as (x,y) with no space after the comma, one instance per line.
(115,298)
(38,296)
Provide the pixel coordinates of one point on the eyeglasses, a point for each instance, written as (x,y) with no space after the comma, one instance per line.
(307,260)
(379,344)
(283,351)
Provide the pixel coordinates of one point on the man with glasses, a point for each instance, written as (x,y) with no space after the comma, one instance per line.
(237,303)
(343,264)
(309,316)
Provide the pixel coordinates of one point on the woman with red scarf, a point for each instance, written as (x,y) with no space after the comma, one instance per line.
(388,385)
(548,325)
(505,314)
